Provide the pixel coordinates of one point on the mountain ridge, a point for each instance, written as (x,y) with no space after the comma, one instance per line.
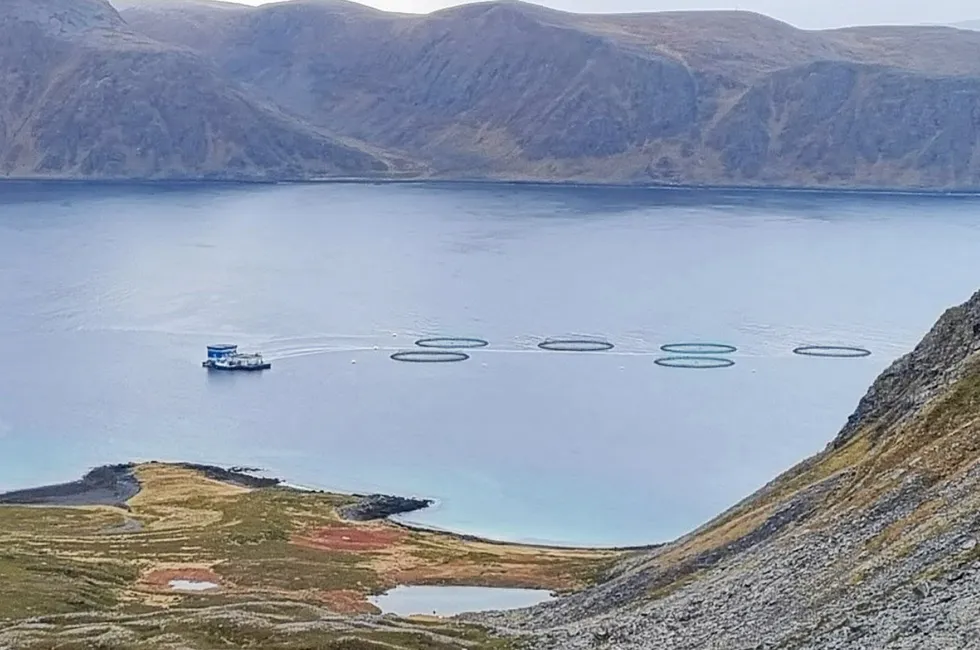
(88,97)
(513,91)
(495,91)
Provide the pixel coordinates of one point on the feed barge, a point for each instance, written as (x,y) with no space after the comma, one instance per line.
(226,356)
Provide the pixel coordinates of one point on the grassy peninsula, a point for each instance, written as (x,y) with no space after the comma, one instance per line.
(291,571)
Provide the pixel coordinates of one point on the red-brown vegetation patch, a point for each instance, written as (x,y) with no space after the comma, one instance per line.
(346,538)
(160,578)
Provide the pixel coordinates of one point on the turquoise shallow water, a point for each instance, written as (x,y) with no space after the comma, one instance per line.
(109,294)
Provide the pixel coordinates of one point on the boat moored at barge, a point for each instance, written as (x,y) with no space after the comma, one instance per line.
(225,356)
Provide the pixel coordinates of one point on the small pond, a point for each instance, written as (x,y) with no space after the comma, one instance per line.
(449,601)
(192,585)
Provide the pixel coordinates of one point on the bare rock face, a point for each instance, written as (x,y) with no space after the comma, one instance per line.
(936,364)
(844,122)
(872,543)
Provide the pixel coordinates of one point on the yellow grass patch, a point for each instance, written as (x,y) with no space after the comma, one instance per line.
(269,544)
(164,484)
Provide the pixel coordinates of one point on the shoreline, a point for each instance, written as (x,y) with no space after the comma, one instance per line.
(467,537)
(115,485)
(858,190)
(289,551)
(107,485)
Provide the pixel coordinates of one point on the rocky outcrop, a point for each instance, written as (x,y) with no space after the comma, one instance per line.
(382,506)
(935,365)
(111,485)
(114,485)
(240,476)
(874,543)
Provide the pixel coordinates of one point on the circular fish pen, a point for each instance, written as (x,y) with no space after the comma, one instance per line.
(699,348)
(694,362)
(575,345)
(832,351)
(429,356)
(452,343)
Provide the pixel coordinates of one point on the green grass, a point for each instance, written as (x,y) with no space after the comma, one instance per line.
(73,569)
(42,583)
(259,627)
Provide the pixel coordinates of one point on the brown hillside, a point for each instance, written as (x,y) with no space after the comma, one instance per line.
(512,90)
(88,97)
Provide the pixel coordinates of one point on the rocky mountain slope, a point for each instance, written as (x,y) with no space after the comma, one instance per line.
(85,96)
(500,90)
(512,90)
(871,544)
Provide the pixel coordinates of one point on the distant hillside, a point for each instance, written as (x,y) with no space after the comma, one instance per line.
(515,91)
(969,24)
(85,96)
(874,543)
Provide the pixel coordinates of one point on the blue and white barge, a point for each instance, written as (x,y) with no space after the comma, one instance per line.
(225,356)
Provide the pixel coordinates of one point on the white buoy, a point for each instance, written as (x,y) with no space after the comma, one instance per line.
(376,348)
(353,361)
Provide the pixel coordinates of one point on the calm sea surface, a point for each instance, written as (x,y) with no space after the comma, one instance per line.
(109,295)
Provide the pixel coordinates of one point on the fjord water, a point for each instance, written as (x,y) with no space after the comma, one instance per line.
(109,295)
